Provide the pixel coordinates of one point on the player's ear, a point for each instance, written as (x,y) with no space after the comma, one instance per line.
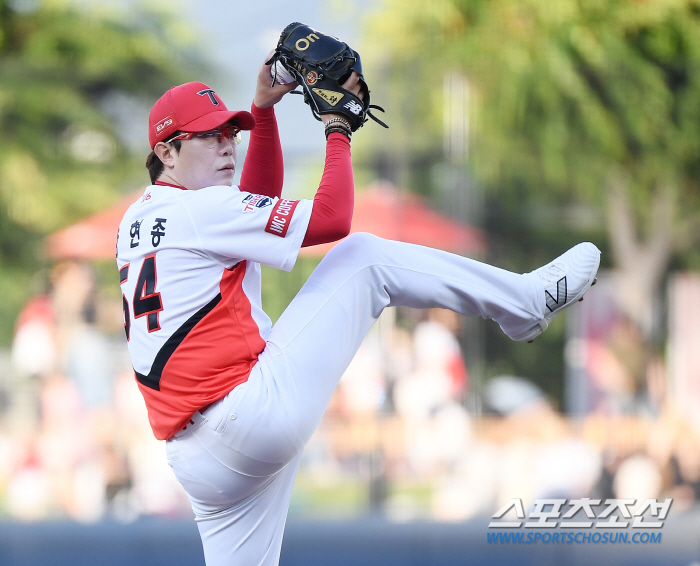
(166,153)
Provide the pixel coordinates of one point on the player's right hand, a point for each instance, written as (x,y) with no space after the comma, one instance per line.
(266,93)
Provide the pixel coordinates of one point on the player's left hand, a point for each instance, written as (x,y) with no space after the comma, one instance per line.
(267,94)
(353,85)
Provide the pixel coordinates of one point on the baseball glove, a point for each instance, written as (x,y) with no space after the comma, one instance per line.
(321,63)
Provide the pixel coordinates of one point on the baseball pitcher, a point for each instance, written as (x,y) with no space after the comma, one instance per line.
(236,399)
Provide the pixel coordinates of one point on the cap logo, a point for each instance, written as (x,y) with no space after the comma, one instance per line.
(164,123)
(211,94)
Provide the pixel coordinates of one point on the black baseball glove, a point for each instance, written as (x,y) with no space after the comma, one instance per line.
(321,63)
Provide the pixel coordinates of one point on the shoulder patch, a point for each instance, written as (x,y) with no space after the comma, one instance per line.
(252,202)
(281,217)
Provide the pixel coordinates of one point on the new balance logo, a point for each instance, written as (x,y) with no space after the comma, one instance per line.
(553,303)
(354,107)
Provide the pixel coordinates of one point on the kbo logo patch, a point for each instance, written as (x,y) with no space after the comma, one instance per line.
(256,201)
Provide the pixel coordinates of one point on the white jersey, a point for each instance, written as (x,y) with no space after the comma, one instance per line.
(189,265)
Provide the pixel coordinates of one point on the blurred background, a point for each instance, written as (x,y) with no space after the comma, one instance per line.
(517,129)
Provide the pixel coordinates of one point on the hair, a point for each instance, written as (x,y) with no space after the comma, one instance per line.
(155,165)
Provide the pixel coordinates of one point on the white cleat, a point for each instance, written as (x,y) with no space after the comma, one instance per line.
(565,280)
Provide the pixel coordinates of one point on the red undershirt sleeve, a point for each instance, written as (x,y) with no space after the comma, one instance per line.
(331,215)
(263,170)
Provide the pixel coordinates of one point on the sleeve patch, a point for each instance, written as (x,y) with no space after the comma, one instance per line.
(281,217)
(252,202)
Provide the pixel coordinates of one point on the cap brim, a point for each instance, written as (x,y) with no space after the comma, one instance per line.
(244,120)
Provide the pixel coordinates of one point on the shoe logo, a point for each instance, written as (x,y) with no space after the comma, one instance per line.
(553,303)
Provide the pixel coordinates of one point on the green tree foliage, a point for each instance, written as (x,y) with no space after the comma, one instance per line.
(591,101)
(66,77)
(575,105)
(598,101)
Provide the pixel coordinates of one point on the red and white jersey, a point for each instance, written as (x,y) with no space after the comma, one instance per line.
(189,266)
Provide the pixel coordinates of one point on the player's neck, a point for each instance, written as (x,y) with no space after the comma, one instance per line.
(164,184)
(167,181)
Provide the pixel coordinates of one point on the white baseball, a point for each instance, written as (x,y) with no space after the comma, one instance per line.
(284,77)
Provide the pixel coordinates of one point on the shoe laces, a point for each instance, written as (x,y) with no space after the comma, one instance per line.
(551,272)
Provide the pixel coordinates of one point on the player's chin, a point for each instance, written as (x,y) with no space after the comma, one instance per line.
(224,177)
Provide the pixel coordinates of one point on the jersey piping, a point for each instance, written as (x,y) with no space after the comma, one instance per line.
(152,380)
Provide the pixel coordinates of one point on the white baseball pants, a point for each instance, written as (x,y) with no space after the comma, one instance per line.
(239,460)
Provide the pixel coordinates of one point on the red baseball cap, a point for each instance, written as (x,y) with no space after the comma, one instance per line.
(192,107)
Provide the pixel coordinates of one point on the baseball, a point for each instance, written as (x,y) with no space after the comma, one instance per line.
(284,77)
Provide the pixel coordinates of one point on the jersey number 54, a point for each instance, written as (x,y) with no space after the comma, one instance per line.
(146,300)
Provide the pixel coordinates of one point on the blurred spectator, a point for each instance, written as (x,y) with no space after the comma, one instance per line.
(685,472)
(603,489)
(613,384)
(34,357)
(398,361)
(84,348)
(638,477)
(438,374)
(34,343)
(362,387)
(625,377)
(540,456)
(507,395)
(436,346)
(28,492)
(428,398)
(63,441)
